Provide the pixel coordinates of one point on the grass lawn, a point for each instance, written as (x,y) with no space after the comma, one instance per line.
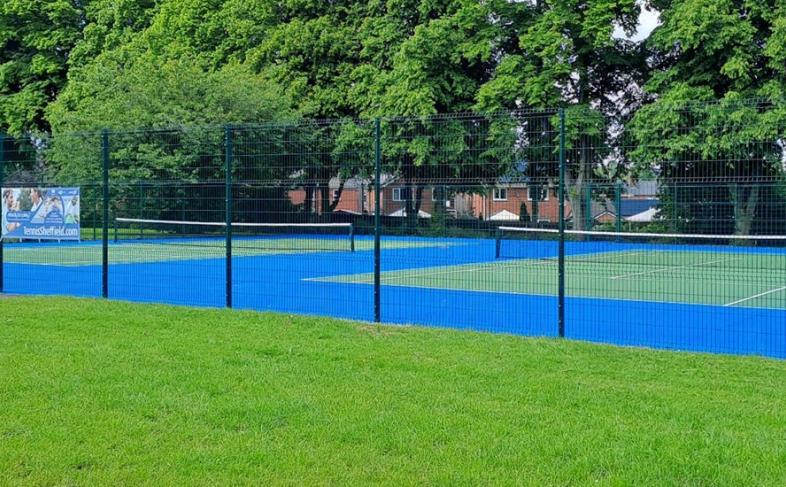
(115,393)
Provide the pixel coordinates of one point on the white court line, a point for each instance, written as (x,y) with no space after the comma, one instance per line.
(622,276)
(417,273)
(483,266)
(589,257)
(771,291)
(423,272)
(329,280)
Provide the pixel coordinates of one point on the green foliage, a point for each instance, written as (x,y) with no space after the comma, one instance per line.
(125,89)
(35,39)
(40,40)
(565,54)
(727,55)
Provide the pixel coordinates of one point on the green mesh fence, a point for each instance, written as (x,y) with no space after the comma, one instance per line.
(664,228)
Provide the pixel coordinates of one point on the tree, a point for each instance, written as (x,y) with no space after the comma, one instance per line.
(35,39)
(183,105)
(125,89)
(718,162)
(711,58)
(567,57)
(437,68)
(41,39)
(524,213)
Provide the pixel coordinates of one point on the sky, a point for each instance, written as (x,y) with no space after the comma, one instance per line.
(648,20)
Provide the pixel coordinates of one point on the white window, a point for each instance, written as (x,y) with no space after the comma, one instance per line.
(501,194)
(543,190)
(435,196)
(400,194)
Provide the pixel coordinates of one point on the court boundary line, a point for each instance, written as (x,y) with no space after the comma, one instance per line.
(517,293)
(505,264)
(771,291)
(623,276)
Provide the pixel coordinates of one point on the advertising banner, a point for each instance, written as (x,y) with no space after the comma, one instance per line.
(40,213)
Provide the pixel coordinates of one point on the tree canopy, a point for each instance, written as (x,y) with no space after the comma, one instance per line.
(77,65)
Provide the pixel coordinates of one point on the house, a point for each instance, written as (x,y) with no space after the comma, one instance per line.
(638,203)
(351,197)
(503,202)
(631,209)
(356,196)
(393,200)
(499,203)
(506,202)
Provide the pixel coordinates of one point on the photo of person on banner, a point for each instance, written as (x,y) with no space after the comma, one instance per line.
(36,199)
(53,211)
(72,211)
(36,204)
(9,205)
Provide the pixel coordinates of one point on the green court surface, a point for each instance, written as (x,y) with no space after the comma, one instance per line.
(172,250)
(755,280)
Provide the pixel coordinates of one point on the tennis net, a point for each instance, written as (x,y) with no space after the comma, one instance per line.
(760,255)
(283,237)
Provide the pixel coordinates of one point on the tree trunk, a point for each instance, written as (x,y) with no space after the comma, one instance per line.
(439,196)
(324,198)
(418,198)
(744,208)
(535,193)
(339,191)
(574,188)
(309,199)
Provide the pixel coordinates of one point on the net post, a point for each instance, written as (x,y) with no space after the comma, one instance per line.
(114,224)
(352,237)
(228,211)
(105,223)
(377,219)
(561,266)
(2,181)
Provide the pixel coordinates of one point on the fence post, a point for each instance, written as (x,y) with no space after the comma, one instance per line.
(561,266)
(105,227)
(377,218)
(2,181)
(141,211)
(228,208)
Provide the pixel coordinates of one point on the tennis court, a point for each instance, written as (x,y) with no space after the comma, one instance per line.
(679,293)
(705,275)
(161,241)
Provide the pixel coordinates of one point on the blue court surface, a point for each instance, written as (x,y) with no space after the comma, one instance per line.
(689,297)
